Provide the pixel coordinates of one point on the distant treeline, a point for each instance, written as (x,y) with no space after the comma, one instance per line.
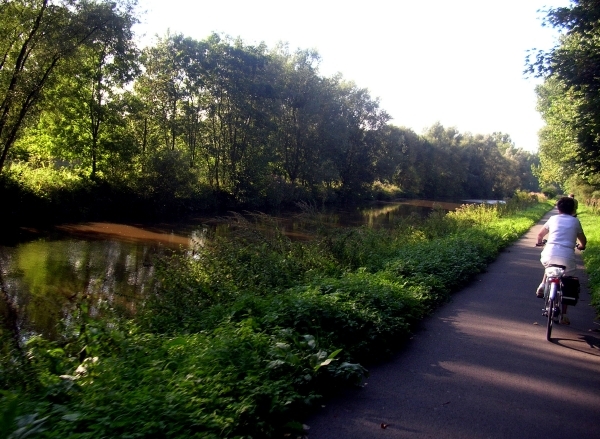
(247,124)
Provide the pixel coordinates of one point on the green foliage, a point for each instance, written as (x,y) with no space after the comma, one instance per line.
(476,166)
(205,384)
(591,255)
(386,192)
(521,200)
(569,98)
(219,123)
(165,177)
(550,191)
(44,194)
(36,38)
(243,337)
(13,367)
(444,264)
(364,314)
(358,247)
(44,182)
(250,262)
(557,139)
(372,248)
(232,381)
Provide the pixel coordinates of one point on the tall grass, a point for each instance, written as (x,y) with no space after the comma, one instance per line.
(590,221)
(245,337)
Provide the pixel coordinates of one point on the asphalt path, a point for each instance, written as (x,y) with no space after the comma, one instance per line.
(481,367)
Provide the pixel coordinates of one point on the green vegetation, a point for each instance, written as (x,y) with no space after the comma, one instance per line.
(591,256)
(98,128)
(245,336)
(569,100)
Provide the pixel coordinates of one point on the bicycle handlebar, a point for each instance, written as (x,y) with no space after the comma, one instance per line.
(577,246)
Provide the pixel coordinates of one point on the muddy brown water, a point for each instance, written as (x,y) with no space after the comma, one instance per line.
(44,278)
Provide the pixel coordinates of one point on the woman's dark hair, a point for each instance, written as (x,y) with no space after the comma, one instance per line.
(566,205)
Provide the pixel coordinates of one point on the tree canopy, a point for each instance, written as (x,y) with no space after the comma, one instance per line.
(250,123)
(569,99)
(36,37)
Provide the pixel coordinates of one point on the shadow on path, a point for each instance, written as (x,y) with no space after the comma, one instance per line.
(480,367)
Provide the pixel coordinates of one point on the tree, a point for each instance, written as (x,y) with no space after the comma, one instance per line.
(574,66)
(354,134)
(300,98)
(526,162)
(500,171)
(559,147)
(165,85)
(238,116)
(87,99)
(36,37)
(448,172)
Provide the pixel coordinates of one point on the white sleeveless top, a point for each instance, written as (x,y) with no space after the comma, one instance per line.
(562,237)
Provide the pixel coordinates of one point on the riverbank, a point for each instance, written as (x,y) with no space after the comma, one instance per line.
(245,338)
(44,197)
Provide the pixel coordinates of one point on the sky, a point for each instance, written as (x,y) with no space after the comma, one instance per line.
(457,62)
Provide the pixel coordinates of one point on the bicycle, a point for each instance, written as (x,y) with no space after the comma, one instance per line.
(553,294)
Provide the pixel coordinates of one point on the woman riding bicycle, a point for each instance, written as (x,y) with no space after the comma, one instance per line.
(563,231)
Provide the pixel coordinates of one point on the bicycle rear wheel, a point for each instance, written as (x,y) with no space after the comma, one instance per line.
(550,308)
(550,311)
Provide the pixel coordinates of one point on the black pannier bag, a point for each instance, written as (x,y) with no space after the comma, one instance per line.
(570,290)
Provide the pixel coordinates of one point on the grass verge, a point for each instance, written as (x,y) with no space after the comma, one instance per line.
(591,256)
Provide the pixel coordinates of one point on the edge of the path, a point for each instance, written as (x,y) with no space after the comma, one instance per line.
(518,265)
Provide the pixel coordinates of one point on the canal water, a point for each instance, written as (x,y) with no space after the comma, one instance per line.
(44,276)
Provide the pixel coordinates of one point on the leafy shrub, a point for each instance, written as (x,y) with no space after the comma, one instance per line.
(353,248)
(225,270)
(366,315)
(443,265)
(233,381)
(550,191)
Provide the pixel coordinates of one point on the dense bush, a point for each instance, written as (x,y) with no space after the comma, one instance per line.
(550,191)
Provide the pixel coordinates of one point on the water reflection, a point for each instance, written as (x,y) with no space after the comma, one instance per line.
(388,215)
(43,280)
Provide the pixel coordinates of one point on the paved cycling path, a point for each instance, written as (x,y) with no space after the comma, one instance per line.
(481,367)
